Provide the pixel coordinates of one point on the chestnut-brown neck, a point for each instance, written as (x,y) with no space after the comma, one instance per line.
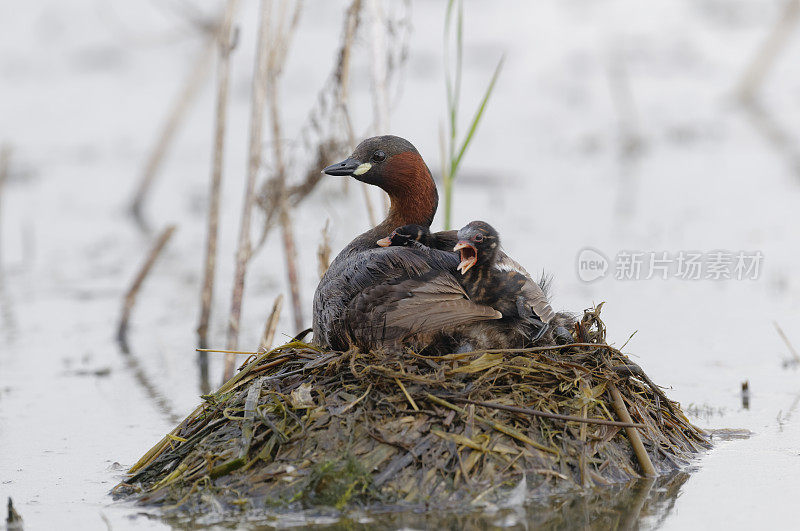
(411,190)
(413,198)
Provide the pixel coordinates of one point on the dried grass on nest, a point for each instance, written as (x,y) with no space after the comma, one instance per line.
(298,426)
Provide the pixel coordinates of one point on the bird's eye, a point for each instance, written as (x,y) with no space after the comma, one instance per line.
(379,156)
(478,238)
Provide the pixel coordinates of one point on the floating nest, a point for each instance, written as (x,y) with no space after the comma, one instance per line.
(301,427)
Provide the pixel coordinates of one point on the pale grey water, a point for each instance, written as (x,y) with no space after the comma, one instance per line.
(85,86)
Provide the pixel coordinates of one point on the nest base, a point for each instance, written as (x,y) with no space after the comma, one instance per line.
(299,427)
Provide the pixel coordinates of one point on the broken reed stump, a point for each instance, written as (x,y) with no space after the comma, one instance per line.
(133,291)
(301,427)
(13,519)
(272,324)
(633,435)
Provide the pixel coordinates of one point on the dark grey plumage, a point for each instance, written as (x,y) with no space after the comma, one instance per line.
(392,296)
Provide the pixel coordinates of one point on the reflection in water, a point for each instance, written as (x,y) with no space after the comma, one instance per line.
(9,324)
(704,412)
(6,312)
(159,400)
(783,418)
(746,394)
(202,368)
(793,407)
(623,506)
(639,503)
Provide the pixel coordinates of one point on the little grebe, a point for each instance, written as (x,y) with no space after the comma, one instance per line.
(377,297)
(523,302)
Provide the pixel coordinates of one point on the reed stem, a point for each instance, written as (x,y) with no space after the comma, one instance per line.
(633,436)
(225,46)
(244,250)
(130,297)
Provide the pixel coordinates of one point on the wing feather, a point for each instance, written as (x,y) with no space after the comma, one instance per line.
(433,303)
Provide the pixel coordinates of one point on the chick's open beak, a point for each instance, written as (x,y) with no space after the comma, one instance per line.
(469,256)
(385,242)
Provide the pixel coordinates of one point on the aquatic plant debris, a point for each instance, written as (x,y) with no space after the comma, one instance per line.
(301,427)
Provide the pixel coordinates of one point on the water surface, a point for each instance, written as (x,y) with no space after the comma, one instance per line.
(613,126)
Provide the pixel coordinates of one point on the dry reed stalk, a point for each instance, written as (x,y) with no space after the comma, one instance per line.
(500,427)
(225,46)
(287,232)
(758,68)
(277,58)
(328,118)
(292,272)
(352,20)
(272,324)
(785,339)
(378,70)
(130,296)
(342,78)
(633,435)
(226,351)
(584,479)
(244,248)
(322,132)
(380,95)
(175,117)
(390,37)
(342,73)
(405,393)
(270,57)
(548,415)
(324,251)
(582,458)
